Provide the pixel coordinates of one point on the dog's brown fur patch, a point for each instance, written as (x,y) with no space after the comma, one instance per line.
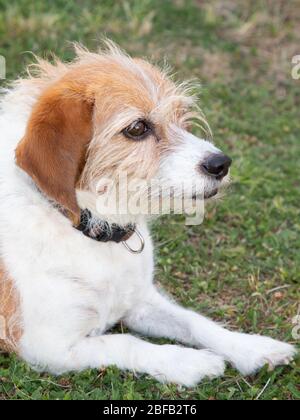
(10,322)
(54,147)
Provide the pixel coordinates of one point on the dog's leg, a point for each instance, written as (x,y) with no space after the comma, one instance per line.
(157,316)
(167,363)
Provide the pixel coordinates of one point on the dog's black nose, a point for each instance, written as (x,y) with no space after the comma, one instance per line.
(216,165)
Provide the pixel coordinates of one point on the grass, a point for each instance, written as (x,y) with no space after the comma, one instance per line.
(243,264)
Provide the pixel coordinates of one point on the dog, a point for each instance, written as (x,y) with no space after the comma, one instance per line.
(69,272)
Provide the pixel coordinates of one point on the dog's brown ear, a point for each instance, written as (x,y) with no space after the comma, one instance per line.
(53,150)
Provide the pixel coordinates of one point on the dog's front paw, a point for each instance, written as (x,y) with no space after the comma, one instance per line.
(188,367)
(249,353)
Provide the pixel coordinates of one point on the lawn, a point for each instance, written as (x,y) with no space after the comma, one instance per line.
(242,265)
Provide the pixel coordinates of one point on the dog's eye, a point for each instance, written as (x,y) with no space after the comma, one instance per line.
(137,130)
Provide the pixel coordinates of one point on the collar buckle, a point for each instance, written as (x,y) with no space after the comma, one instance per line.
(142,243)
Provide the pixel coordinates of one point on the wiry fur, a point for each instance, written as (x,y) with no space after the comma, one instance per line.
(70,289)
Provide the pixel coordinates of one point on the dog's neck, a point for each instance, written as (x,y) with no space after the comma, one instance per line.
(104,227)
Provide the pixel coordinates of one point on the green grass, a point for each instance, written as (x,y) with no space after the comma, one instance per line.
(249,243)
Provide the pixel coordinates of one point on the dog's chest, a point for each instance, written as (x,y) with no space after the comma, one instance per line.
(120,290)
(114,283)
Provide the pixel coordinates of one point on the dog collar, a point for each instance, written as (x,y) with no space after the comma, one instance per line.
(102,231)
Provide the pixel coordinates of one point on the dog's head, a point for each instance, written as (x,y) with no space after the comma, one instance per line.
(107,114)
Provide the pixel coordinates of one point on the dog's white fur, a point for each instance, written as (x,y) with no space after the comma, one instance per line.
(73,289)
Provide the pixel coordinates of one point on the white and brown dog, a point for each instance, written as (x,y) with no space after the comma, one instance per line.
(62,288)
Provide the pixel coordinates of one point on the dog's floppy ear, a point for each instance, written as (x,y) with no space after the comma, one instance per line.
(53,150)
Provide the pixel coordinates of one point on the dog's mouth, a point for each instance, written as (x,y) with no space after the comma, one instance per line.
(207,195)
(211,194)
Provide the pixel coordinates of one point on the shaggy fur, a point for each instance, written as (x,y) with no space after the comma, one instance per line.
(61,133)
